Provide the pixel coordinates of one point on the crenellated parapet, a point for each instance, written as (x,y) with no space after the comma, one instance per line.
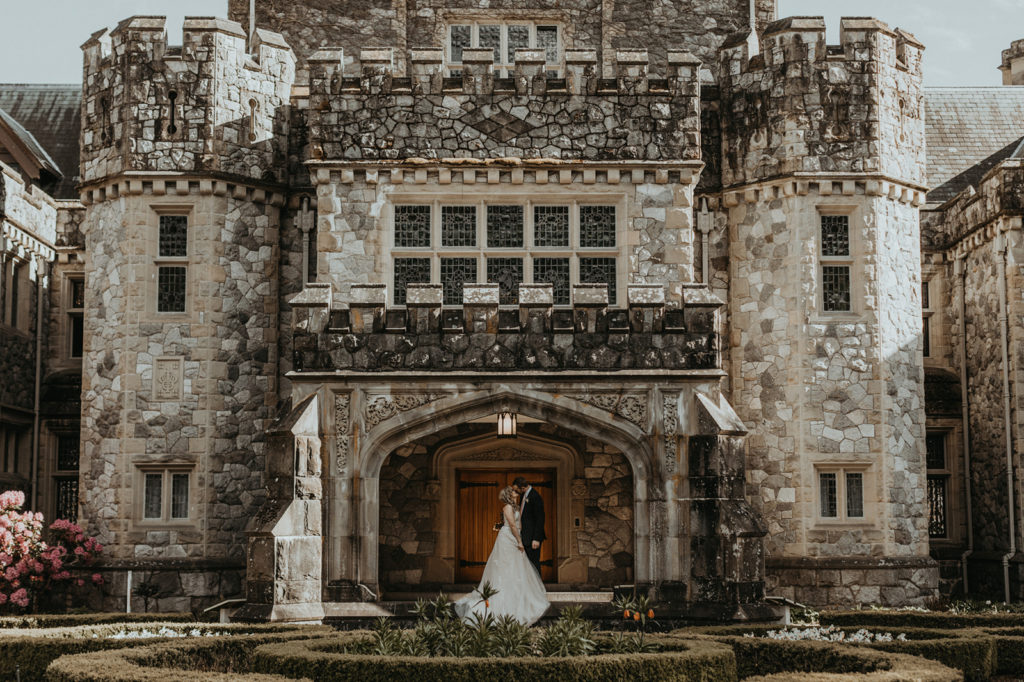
(216,104)
(368,335)
(803,106)
(371,113)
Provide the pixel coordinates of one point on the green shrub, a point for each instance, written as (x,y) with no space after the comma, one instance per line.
(970,651)
(28,652)
(60,620)
(900,667)
(1009,650)
(326,658)
(919,619)
(209,659)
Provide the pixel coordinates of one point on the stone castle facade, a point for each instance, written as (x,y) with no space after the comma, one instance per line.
(753,299)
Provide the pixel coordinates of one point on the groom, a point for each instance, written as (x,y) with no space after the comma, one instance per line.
(531,510)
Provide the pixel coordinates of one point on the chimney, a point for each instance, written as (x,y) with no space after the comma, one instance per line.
(1013,64)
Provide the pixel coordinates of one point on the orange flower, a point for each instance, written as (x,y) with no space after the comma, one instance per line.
(636,616)
(487,603)
(650,613)
(625,614)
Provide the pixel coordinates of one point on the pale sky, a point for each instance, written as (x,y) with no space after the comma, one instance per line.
(40,39)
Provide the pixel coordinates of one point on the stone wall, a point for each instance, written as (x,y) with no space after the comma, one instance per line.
(353,223)
(699,26)
(130,121)
(379,116)
(217,365)
(800,106)
(828,390)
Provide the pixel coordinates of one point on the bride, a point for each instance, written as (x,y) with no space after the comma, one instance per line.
(520,591)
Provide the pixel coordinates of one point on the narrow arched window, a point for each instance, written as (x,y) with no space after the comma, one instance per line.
(172,126)
(253,110)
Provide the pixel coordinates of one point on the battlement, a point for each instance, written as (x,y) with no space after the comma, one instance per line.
(214,103)
(1012,65)
(802,106)
(374,114)
(367,335)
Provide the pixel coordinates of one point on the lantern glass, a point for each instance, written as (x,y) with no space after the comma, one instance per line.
(506,425)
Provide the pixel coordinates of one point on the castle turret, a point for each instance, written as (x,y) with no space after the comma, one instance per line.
(823,172)
(1013,64)
(183,160)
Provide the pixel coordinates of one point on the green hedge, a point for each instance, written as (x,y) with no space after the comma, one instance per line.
(60,620)
(1009,650)
(323,659)
(212,659)
(28,652)
(900,668)
(758,656)
(919,619)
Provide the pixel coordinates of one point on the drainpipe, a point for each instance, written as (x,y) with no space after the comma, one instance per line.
(960,272)
(704,227)
(1001,252)
(252,22)
(40,291)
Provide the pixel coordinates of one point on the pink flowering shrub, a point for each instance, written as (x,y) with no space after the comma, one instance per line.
(32,565)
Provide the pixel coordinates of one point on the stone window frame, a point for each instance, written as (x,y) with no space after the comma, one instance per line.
(73,313)
(156,211)
(528,200)
(167,470)
(955,513)
(475,20)
(933,317)
(868,486)
(856,302)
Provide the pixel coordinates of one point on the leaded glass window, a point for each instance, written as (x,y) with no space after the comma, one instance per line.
(937,526)
(458,226)
(554,271)
(935,447)
(504,40)
(854,495)
(410,271)
(179,496)
(551,226)
(505,226)
(67,452)
(77,293)
(67,498)
(829,495)
(173,236)
(171,282)
(412,226)
(455,273)
(835,235)
(835,285)
(597,227)
(152,505)
(599,271)
(508,273)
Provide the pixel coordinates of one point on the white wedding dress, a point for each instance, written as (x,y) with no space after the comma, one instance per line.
(520,591)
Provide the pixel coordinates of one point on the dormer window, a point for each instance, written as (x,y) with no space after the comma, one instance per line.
(504,39)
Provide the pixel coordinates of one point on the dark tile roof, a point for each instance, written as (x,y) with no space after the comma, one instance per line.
(31,144)
(52,114)
(968,131)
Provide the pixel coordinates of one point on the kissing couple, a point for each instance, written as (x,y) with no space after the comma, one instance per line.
(513,568)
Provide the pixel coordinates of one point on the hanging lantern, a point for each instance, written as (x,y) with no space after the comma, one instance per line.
(506,425)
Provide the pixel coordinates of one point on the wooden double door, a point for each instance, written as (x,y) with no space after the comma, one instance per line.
(478,509)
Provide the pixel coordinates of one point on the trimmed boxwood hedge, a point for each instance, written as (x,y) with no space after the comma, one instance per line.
(28,655)
(210,659)
(919,619)
(901,667)
(758,656)
(323,658)
(60,620)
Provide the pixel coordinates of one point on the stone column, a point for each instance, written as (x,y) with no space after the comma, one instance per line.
(284,561)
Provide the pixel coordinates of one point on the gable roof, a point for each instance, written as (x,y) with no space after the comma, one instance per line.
(969,131)
(24,147)
(52,115)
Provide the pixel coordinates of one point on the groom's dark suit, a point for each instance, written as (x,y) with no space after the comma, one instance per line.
(532,522)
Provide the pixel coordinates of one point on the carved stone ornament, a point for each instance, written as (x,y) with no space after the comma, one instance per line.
(167,379)
(631,406)
(383,407)
(579,487)
(671,403)
(342,402)
(504,454)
